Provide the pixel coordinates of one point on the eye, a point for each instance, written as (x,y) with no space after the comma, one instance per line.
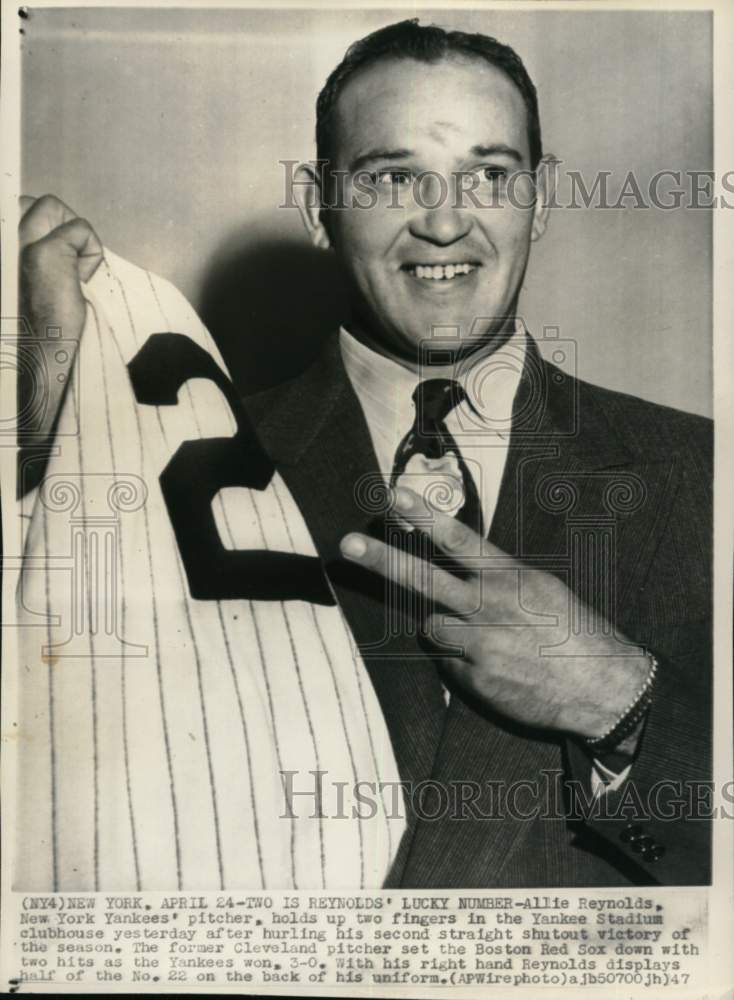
(390,178)
(493,174)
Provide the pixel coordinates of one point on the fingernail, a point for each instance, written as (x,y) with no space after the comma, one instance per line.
(403,500)
(353,546)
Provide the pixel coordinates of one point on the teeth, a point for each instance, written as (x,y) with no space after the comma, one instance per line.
(441,272)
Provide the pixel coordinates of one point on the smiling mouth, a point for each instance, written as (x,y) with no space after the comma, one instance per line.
(439,272)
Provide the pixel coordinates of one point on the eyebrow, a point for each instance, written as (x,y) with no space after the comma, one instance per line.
(497,149)
(389,155)
(373,155)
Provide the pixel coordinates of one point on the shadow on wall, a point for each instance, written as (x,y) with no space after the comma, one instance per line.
(269,306)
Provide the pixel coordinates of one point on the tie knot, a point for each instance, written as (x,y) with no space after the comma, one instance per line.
(435,398)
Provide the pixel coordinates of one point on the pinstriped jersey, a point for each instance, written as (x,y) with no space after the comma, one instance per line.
(184,664)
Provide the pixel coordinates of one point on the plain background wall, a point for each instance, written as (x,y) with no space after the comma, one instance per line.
(165,129)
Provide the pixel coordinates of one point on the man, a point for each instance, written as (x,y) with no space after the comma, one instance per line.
(538,642)
(430,188)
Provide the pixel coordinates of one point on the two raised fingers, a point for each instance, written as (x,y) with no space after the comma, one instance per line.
(418,575)
(462,545)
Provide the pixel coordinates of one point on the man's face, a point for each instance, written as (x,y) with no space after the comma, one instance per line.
(412,267)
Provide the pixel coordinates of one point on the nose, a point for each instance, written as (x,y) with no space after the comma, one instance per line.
(438,217)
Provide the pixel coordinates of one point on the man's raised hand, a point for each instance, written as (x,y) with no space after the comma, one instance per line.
(58,251)
(505,660)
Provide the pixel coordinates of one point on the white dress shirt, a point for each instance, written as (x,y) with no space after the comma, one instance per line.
(480,425)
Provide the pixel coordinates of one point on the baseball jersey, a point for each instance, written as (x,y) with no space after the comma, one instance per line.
(193,711)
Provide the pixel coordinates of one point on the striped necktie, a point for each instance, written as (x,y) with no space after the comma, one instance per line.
(434,399)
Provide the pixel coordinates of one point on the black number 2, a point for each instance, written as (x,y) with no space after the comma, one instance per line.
(200,469)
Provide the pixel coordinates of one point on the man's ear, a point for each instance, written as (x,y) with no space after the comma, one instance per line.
(545,187)
(307,182)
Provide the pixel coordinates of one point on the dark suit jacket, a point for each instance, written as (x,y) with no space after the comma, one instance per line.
(586,467)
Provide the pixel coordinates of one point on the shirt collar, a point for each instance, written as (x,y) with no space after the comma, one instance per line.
(490,380)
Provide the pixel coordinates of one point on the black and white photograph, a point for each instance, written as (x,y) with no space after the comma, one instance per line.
(358,497)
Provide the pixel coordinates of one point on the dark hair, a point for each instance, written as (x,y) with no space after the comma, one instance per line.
(429,44)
